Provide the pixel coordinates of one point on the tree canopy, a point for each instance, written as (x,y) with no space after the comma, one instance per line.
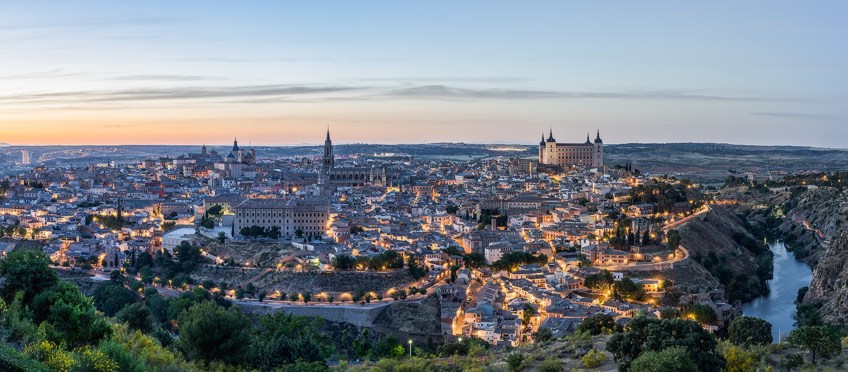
(819,340)
(111,298)
(644,335)
(211,332)
(598,324)
(747,331)
(27,271)
(672,359)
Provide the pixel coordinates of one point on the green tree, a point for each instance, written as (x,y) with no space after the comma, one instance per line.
(27,271)
(137,316)
(282,339)
(807,314)
(542,335)
(70,316)
(388,347)
(747,331)
(818,340)
(215,210)
(453,270)
(600,281)
(188,255)
(627,289)
(703,314)
(675,359)
(740,358)
(111,298)
(527,313)
(669,313)
(673,238)
(209,332)
(644,335)
(598,324)
(222,237)
(474,260)
(117,277)
(514,361)
(207,223)
(344,262)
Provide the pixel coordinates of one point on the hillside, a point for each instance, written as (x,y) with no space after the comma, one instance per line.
(814,228)
(720,243)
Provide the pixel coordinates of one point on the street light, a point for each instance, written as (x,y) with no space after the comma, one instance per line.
(410,349)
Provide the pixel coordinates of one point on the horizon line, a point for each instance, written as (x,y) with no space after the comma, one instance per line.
(6,145)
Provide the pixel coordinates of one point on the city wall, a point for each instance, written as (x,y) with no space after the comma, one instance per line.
(360,317)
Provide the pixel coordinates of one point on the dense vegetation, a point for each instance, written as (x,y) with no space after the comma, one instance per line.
(52,325)
(665,196)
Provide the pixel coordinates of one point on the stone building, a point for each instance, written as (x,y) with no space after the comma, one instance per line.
(289,215)
(587,154)
(331,176)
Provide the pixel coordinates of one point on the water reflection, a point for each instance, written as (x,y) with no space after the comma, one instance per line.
(779,305)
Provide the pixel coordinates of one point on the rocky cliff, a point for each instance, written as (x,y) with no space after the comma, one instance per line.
(720,243)
(814,228)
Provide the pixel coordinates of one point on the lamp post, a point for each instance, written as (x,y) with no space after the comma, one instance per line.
(410,349)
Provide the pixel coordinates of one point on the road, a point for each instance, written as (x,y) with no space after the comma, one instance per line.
(683,220)
(820,236)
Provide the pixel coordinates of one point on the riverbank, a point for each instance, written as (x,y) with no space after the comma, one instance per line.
(778,306)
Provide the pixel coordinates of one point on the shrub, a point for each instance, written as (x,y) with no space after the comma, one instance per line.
(671,359)
(514,361)
(793,361)
(13,361)
(593,359)
(550,365)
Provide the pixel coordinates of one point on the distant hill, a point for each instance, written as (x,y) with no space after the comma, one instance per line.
(699,161)
(717,160)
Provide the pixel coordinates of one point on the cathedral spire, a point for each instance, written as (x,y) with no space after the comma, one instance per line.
(598,137)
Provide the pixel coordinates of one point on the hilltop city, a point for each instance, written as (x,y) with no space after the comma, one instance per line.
(508,245)
(497,253)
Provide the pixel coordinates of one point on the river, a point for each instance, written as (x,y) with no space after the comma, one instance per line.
(779,305)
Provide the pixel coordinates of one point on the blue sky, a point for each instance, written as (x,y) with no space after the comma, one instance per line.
(757,72)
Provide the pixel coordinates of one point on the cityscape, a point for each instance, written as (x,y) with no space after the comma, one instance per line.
(160,219)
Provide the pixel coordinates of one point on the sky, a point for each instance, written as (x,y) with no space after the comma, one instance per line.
(280,73)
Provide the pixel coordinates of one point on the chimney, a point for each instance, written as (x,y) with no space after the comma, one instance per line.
(494,223)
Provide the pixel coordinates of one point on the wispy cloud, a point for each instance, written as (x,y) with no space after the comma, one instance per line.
(448,92)
(124,21)
(282,93)
(253,60)
(797,115)
(50,74)
(165,77)
(448,79)
(157,94)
